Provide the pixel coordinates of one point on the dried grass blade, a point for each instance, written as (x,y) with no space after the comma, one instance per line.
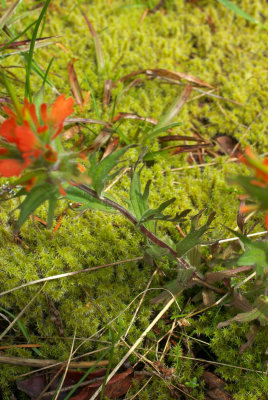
(69,121)
(107,92)
(123,115)
(99,54)
(74,83)
(32,362)
(177,76)
(26,48)
(24,42)
(8,12)
(187,148)
(175,107)
(179,137)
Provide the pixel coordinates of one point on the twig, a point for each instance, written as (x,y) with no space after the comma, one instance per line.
(66,369)
(32,362)
(53,277)
(140,302)
(135,345)
(146,232)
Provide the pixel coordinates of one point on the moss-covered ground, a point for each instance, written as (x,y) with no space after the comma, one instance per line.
(203,39)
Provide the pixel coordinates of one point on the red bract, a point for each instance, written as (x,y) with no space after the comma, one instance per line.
(58,113)
(260,168)
(25,139)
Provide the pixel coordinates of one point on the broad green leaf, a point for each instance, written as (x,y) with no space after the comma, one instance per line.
(260,312)
(73,193)
(38,195)
(99,172)
(40,173)
(256,192)
(256,255)
(193,238)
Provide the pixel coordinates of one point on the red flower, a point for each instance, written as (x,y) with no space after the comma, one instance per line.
(59,111)
(11,167)
(25,139)
(260,168)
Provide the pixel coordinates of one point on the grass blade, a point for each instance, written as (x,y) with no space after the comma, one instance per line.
(8,12)
(31,51)
(241,13)
(99,54)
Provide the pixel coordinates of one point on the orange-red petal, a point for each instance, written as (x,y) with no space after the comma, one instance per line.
(8,130)
(43,112)
(81,167)
(62,191)
(61,109)
(266,221)
(25,137)
(29,184)
(11,167)
(9,112)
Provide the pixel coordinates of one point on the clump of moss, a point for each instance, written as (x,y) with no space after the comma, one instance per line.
(231,56)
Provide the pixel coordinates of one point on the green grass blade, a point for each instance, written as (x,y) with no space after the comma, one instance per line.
(18,36)
(241,13)
(93,98)
(22,328)
(92,369)
(31,51)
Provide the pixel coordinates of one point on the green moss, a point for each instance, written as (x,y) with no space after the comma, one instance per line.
(232,58)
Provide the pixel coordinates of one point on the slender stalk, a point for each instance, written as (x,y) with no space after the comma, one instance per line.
(132,219)
(148,234)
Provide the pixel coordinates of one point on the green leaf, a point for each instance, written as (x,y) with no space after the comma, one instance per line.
(256,255)
(52,202)
(256,192)
(159,129)
(157,212)
(73,193)
(31,51)
(138,203)
(37,196)
(193,238)
(23,330)
(260,312)
(98,172)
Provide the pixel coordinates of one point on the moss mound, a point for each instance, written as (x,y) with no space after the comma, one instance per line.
(207,41)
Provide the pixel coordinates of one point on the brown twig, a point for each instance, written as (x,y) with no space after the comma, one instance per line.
(32,362)
(153,238)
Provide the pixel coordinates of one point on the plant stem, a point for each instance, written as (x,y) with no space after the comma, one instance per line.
(153,238)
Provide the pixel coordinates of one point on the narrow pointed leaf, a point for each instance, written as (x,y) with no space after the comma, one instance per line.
(73,193)
(99,173)
(193,238)
(37,196)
